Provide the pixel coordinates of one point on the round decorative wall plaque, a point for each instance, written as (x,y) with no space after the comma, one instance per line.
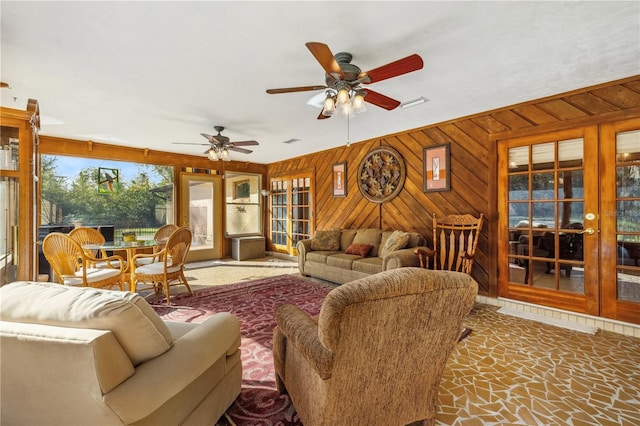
(381,174)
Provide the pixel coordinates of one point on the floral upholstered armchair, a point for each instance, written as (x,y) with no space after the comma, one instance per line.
(377,351)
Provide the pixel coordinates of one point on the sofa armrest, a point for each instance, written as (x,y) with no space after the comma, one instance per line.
(400,259)
(303,247)
(302,332)
(168,374)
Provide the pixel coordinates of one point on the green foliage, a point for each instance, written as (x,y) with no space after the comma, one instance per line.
(134,205)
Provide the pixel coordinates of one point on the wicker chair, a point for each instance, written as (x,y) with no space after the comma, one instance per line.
(166,267)
(162,236)
(377,352)
(85,235)
(72,265)
(455,239)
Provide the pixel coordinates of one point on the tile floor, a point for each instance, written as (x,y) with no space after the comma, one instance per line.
(509,371)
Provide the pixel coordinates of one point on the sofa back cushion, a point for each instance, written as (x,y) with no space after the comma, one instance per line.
(136,326)
(326,240)
(370,236)
(346,238)
(396,240)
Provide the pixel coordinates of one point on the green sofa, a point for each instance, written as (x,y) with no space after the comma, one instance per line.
(344,255)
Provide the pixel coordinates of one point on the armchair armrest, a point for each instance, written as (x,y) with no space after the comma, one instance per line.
(168,374)
(423,254)
(153,257)
(302,332)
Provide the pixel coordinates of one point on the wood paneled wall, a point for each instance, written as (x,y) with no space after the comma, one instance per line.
(473,165)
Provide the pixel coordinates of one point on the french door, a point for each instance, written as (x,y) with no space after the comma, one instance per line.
(567,205)
(621,221)
(291,211)
(201,211)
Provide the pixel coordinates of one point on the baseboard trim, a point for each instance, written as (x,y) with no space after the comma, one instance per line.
(615,326)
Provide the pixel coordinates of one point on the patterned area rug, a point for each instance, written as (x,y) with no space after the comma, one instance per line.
(254,303)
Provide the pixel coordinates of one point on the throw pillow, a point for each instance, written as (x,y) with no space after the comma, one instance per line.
(326,240)
(396,241)
(361,250)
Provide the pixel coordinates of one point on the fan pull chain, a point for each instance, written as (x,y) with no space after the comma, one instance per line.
(348,129)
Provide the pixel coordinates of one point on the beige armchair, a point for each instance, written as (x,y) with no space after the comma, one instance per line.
(376,352)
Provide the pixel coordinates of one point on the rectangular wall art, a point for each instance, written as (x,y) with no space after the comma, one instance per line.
(437,168)
(340,180)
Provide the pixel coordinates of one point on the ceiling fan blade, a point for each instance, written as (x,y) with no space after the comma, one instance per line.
(401,66)
(295,89)
(244,143)
(381,100)
(242,150)
(211,138)
(189,143)
(323,55)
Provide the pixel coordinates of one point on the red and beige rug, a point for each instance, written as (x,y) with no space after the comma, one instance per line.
(254,303)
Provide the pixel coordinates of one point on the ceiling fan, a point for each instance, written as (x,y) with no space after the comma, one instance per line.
(221,145)
(343,79)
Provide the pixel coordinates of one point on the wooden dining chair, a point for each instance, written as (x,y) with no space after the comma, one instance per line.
(72,265)
(455,238)
(167,268)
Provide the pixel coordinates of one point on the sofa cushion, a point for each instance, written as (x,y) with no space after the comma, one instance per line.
(396,241)
(326,240)
(361,250)
(346,238)
(416,239)
(139,330)
(342,261)
(369,236)
(369,265)
(320,256)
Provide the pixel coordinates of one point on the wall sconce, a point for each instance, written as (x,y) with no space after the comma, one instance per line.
(265,192)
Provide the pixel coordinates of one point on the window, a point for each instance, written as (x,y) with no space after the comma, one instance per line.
(77,191)
(243,204)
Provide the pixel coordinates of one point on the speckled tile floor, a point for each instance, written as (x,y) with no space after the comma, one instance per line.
(509,371)
(512,371)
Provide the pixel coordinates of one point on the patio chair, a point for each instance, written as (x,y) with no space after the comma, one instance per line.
(85,235)
(166,267)
(72,265)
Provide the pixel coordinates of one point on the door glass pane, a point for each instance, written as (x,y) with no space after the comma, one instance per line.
(570,184)
(8,230)
(9,143)
(201,210)
(571,214)
(544,214)
(570,153)
(543,186)
(627,215)
(519,159)
(543,156)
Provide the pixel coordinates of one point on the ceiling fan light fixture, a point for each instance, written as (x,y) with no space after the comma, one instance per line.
(343,94)
(224,155)
(213,156)
(358,101)
(329,105)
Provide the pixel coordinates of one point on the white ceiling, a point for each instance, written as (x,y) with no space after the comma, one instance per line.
(146,74)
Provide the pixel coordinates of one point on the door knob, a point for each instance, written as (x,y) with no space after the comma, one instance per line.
(588,231)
